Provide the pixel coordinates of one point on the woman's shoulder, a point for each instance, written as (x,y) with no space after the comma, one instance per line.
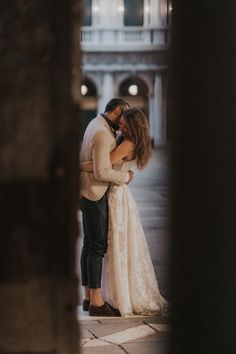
(128,143)
(128,147)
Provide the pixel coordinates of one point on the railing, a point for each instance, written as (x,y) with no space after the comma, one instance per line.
(96,36)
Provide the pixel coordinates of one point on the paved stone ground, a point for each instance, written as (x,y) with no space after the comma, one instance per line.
(142,335)
(137,334)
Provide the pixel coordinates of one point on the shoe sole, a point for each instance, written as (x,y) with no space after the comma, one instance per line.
(102,314)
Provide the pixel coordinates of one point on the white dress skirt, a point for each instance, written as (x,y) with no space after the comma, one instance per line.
(129,280)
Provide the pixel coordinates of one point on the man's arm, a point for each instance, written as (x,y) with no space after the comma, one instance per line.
(102,167)
(86,166)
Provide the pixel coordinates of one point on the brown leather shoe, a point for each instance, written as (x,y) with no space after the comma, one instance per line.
(86,305)
(116,311)
(104,310)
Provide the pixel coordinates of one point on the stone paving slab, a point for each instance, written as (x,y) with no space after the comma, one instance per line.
(146,333)
(132,320)
(109,349)
(104,328)
(85,333)
(151,338)
(165,319)
(146,348)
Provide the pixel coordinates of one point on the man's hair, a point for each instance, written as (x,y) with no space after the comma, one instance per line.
(114,103)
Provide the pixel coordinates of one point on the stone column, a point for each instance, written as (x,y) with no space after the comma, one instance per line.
(95,12)
(107,91)
(146,12)
(158,126)
(155,12)
(109,13)
(38,180)
(151,117)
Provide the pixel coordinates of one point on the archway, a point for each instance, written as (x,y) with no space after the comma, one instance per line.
(88,103)
(136,92)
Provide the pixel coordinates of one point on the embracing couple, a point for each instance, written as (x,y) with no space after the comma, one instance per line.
(116,267)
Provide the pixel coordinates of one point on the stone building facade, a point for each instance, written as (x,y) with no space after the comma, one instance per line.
(125,45)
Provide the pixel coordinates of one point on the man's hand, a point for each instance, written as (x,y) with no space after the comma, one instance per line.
(131,176)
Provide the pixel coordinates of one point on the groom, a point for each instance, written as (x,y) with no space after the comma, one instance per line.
(98,142)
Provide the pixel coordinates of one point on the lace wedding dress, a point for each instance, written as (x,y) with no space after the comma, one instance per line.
(129,280)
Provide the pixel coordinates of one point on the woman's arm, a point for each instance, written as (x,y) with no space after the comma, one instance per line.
(117,154)
(121,151)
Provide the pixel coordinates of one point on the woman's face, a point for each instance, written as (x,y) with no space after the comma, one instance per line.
(123,126)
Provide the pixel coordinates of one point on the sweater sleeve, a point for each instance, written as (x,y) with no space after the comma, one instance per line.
(102,167)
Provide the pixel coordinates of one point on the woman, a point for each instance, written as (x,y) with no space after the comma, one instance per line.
(129,279)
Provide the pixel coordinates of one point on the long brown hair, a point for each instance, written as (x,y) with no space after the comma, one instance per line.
(138,133)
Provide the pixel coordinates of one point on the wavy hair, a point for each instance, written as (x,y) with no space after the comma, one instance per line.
(138,133)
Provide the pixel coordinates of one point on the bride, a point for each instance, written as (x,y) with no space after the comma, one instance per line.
(130,283)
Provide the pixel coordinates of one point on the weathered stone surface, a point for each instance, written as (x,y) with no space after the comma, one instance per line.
(38,180)
(105,329)
(111,349)
(158,57)
(146,347)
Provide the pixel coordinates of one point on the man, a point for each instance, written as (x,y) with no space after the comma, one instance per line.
(98,142)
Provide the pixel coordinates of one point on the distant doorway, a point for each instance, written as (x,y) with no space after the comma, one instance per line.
(88,104)
(135,91)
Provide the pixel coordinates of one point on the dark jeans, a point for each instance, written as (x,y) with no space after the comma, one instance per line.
(95,226)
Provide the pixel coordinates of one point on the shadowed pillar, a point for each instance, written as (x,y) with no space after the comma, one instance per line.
(203,178)
(38,179)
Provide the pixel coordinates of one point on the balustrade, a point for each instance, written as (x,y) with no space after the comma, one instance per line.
(93,36)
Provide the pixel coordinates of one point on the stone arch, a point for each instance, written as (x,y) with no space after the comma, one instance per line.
(88,102)
(92,85)
(146,78)
(141,99)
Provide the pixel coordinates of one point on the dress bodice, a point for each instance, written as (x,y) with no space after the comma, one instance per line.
(122,166)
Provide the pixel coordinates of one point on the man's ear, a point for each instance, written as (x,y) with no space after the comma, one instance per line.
(117,111)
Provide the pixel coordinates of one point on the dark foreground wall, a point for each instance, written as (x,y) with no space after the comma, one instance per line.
(38,179)
(204,178)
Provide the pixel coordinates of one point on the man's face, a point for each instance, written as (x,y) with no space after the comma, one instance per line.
(120,112)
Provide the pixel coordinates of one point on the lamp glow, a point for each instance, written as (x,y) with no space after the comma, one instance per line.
(133,90)
(84,90)
(121,8)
